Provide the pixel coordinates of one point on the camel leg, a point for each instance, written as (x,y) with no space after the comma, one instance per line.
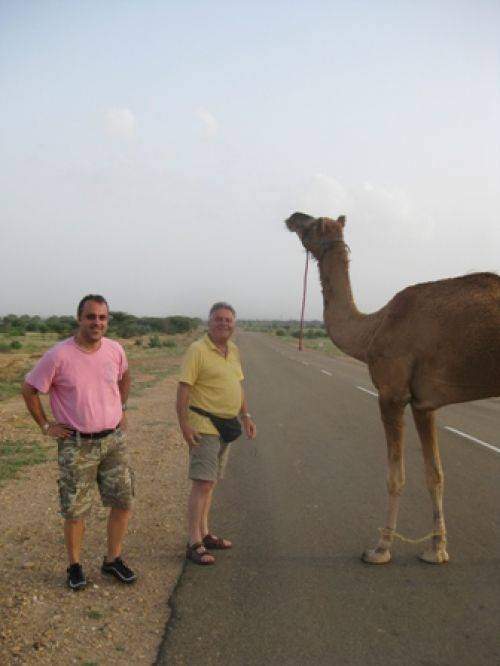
(426,427)
(392,416)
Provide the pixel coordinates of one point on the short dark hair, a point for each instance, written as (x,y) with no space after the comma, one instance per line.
(91,297)
(221,305)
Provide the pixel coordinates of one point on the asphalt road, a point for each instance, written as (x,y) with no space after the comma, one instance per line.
(305,499)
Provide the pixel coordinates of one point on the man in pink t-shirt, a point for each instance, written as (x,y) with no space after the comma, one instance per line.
(88,382)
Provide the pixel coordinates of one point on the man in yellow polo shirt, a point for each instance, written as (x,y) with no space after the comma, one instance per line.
(210,381)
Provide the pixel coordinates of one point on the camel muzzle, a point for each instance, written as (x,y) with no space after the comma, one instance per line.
(299,222)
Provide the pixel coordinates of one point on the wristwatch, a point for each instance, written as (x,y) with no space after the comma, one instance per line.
(246,415)
(45,428)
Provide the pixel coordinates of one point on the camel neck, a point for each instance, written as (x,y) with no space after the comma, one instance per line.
(349,329)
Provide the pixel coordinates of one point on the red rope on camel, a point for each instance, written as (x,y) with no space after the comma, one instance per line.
(301,332)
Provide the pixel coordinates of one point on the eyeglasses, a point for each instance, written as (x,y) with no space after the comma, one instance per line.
(94,317)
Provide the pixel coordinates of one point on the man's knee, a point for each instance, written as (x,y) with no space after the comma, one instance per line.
(202,486)
(120,513)
(74,522)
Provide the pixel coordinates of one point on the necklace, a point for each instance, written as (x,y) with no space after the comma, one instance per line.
(86,350)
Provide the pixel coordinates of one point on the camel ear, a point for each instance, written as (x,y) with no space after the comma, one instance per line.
(341,219)
(298,222)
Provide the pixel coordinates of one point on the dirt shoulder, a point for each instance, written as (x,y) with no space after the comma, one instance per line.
(43,622)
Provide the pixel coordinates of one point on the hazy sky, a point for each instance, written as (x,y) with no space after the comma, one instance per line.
(150,150)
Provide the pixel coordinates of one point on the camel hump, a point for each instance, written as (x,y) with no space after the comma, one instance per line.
(489,280)
(403,303)
(450,294)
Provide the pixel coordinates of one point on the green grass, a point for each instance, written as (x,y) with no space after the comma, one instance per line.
(32,343)
(15,454)
(16,363)
(12,375)
(95,614)
(10,387)
(140,385)
(156,363)
(323,345)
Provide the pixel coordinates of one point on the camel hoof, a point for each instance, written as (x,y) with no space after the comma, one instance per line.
(376,556)
(435,556)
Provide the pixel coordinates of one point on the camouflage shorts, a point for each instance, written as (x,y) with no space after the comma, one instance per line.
(83,463)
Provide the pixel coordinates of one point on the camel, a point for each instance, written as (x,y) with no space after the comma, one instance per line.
(433,344)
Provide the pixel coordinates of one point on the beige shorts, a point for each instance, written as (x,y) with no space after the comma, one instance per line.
(208,459)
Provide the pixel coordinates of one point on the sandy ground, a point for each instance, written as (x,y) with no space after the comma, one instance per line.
(41,620)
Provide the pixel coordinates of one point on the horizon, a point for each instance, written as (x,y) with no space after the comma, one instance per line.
(167,316)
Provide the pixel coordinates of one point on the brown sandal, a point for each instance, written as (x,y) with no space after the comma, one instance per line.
(215,543)
(193,554)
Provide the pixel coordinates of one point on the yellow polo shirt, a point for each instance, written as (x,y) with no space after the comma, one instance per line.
(215,382)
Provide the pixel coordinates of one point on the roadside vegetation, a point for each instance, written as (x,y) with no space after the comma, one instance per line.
(315,335)
(13,328)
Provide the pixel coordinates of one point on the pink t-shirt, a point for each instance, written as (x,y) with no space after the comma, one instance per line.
(83,386)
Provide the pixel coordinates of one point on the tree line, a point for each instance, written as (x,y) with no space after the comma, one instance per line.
(121,325)
(313,328)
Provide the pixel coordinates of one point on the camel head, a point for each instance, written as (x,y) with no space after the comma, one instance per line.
(317,234)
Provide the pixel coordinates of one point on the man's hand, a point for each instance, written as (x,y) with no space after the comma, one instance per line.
(58,431)
(191,436)
(249,427)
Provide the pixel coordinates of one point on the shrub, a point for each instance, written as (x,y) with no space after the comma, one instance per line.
(170,343)
(127,330)
(4,348)
(154,341)
(16,333)
(15,344)
(280,332)
(138,342)
(179,324)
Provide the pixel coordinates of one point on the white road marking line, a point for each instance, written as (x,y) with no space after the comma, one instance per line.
(457,432)
(367,391)
(473,439)
(325,372)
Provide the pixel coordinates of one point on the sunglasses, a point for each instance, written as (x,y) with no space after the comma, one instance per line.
(94,317)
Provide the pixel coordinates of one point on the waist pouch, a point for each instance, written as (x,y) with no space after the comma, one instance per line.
(228,429)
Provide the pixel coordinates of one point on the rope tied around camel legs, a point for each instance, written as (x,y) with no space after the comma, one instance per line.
(388,534)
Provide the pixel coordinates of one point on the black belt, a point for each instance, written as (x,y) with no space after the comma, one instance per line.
(94,435)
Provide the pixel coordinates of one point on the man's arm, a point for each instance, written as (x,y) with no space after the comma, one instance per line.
(124,388)
(248,424)
(35,408)
(190,435)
